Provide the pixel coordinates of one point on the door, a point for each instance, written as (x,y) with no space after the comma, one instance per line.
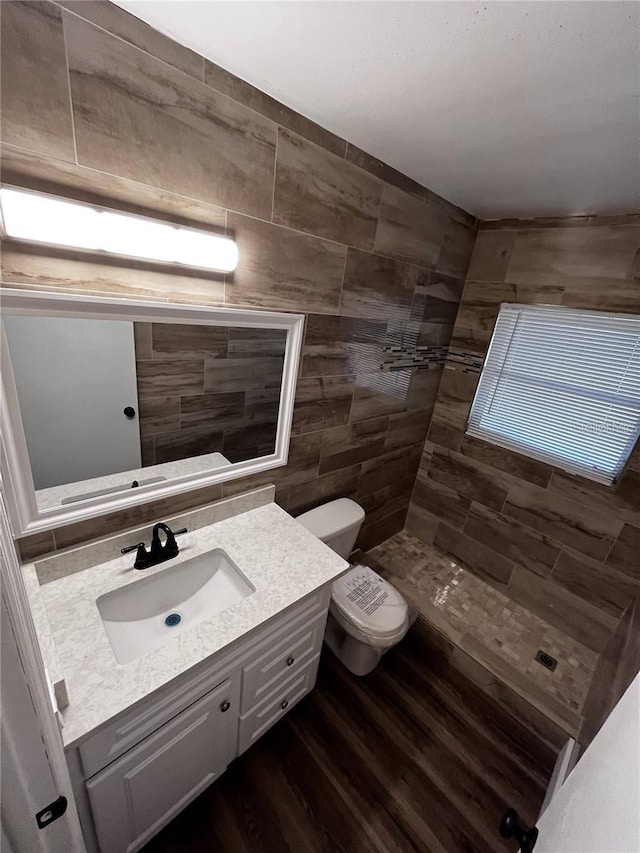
(74,379)
(597,810)
(34,771)
(136,795)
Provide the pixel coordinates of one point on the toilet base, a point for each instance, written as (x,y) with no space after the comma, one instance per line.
(359,658)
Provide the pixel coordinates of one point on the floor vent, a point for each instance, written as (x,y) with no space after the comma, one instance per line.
(546,660)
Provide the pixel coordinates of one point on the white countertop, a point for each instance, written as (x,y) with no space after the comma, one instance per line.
(280,558)
(121,481)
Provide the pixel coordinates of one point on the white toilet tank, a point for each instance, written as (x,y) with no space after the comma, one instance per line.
(336,523)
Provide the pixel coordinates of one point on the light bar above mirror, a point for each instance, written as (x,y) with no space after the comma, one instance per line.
(35,217)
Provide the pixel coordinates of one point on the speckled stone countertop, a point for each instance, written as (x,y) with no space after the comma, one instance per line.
(120,482)
(280,558)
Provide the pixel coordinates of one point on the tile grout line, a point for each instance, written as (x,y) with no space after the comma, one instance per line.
(68,70)
(275,173)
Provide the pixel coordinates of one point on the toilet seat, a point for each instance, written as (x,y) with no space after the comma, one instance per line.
(369,608)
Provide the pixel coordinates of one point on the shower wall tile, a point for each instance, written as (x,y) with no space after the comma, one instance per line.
(138,118)
(120,23)
(571,523)
(36,111)
(38,172)
(562,608)
(344,446)
(487,564)
(322,402)
(625,554)
(472,479)
(599,584)
(320,193)
(520,544)
(573,543)
(377,287)
(243,92)
(440,501)
(282,269)
(163,133)
(409,229)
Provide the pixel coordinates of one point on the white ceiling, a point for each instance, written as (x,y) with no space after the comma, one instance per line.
(505,108)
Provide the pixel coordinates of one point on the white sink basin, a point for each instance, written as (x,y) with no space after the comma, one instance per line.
(140,616)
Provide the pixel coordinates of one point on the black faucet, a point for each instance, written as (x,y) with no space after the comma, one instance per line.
(158,552)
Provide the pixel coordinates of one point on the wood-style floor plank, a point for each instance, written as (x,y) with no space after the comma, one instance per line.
(411,759)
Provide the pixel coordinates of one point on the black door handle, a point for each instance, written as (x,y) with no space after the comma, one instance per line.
(512,828)
(129,411)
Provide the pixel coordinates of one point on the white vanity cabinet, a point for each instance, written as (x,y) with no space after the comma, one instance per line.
(139,792)
(134,774)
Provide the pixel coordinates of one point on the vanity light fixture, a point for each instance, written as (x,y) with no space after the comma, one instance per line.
(35,217)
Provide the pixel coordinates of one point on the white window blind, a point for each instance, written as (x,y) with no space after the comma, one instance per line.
(563,386)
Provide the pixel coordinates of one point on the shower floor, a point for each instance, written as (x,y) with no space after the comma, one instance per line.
(487,628)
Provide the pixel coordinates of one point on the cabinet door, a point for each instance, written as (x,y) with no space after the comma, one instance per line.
(134,797)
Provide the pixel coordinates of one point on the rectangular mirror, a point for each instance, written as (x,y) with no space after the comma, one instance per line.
(108,403)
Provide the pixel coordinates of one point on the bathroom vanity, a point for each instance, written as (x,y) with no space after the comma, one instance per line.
(154,719)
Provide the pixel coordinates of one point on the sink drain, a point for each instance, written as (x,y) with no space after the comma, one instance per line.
(172,620)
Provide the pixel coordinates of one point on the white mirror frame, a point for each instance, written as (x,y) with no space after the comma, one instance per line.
(26,517)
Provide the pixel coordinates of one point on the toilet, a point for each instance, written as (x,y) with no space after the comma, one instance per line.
(367,615)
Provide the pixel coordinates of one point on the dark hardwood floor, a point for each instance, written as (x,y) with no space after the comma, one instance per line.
(410,758)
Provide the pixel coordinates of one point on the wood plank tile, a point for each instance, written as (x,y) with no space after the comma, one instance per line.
(407,428)
(342,345)
(491,255)
(217,411)
(283,269)
(36,111)
(187,442)
(623,498)
(347,445)
(170,377)
(518,543)
(396,465)
(436,299)
(558,606)
(595,582)
(158,414)
(378,287)
(234,374)
(322,194)
(576,525)
(504,460)
(409,229)
(131,29)
(116,87)
(321,402)
(243,92)
(625,554)
(39,172)
(469,478)
(440,501)
(482,561)
(188,340)
(337,484)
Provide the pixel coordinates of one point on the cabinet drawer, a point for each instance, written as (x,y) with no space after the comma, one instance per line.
(254,724)
(118,737)
(287,655)
(140,792)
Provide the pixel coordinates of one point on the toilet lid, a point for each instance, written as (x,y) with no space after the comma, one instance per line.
(369,602)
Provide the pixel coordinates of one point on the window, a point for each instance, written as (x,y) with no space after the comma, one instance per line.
(563,386)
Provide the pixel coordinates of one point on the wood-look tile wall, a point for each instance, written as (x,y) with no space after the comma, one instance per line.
(100,107)
(563,546)
(207,389)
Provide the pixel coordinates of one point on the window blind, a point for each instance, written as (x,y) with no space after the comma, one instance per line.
(563,386)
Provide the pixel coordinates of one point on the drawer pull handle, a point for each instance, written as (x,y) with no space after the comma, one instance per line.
(284,704)
(225,706)
(290,661)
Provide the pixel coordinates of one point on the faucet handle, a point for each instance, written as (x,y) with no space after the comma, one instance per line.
(142,558)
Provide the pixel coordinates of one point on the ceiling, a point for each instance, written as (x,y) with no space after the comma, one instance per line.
(505,108)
